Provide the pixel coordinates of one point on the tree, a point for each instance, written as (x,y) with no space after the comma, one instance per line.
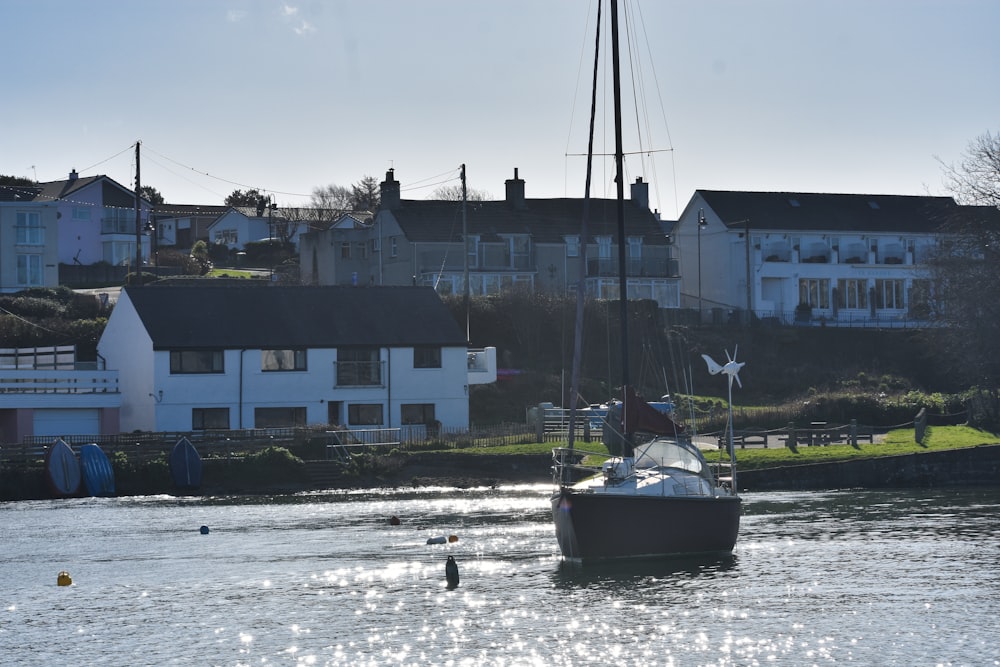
(151,194)
(454,193)
(331,197)
(15,180)
(966,284)
(240,198)
(365,194)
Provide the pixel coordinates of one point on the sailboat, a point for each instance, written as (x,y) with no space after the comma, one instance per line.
(657,496)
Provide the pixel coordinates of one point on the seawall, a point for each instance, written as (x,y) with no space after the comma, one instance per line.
(970,466)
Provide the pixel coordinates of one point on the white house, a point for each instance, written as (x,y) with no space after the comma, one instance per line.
(812,258)
(245,355)
(29,241)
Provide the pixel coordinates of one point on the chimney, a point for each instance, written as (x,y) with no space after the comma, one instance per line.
(640,193)
(515,191)
(73,175)
(389,191)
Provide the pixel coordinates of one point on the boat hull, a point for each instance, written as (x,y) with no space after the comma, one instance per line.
(601,526)
(98,477)
(62,470)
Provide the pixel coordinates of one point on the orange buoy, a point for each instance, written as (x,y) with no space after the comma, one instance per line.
(64,579)
(453,538)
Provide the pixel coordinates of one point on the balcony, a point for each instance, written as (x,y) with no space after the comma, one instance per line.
(358,374)
(634,268)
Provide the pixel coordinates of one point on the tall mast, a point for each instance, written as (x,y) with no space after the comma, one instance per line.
(620,182)
(138,222)
(465,241)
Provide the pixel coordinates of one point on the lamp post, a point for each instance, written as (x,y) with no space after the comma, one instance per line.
(701,225)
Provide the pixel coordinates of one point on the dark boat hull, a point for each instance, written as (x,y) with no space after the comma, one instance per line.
(598,526)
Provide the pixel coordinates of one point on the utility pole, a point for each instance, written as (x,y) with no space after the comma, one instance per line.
(138,222)
(465,241)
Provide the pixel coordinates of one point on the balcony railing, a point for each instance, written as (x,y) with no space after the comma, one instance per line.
(634,268)
(359,374)
(58,382)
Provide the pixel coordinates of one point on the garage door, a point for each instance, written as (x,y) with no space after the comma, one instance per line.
(67,422)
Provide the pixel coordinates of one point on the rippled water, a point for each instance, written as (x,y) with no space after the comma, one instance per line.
(868,578)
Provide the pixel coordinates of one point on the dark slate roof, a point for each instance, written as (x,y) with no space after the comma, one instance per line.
(19,192)
(546,220)
(189,210)
(833,212)
(269,316)
(63,189)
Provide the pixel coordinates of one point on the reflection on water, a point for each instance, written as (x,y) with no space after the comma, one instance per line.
(873,578)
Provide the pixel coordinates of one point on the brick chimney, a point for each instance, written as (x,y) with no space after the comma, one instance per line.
(73,175)
(389,191)
(515,191)
(640,193)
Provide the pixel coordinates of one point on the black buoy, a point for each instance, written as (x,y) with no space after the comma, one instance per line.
(204,530)
(394,520)
(451,572)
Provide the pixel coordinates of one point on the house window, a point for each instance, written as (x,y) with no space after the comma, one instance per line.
(603,247)
(345,250)
(81,213)
(373,245)
(278,417)
(393,250)
(358,366)
(852,293)
(364,414)
(196,361)
(635,247)
(362,250)
(283,360)
(417,413)
(889,294)
(203,419)
(572,246)
(427,356)
(29,269)
(815,292)
(29,228)
(472,248)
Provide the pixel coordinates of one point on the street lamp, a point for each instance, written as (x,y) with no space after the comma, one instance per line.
(701,225)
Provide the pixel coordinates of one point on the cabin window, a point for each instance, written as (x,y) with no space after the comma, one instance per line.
(364,414)
(279,417)
(204,419)
(282,360)
(196,361)
(417,413)
(427,356)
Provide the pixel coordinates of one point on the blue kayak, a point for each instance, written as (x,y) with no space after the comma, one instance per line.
(98,477)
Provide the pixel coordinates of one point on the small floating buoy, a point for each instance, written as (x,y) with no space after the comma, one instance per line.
(394,520)
(451,572)
(203,530)
(453,538)
(436,540)
(64,579)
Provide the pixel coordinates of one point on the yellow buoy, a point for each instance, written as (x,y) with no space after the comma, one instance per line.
(64,579)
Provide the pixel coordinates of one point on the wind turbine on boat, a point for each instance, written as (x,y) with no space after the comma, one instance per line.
(730,369)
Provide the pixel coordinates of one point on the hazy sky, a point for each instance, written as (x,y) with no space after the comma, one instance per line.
(284,96)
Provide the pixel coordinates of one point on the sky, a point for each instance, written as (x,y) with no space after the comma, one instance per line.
(853,96)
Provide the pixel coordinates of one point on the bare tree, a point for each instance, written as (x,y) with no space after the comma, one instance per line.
(454,193)
(331,197)
(976,178)
(966,283)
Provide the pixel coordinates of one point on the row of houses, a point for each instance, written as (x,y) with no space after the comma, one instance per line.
(817,258)
(247,355)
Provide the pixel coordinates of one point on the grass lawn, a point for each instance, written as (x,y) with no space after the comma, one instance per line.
(229,273)
(896,442)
